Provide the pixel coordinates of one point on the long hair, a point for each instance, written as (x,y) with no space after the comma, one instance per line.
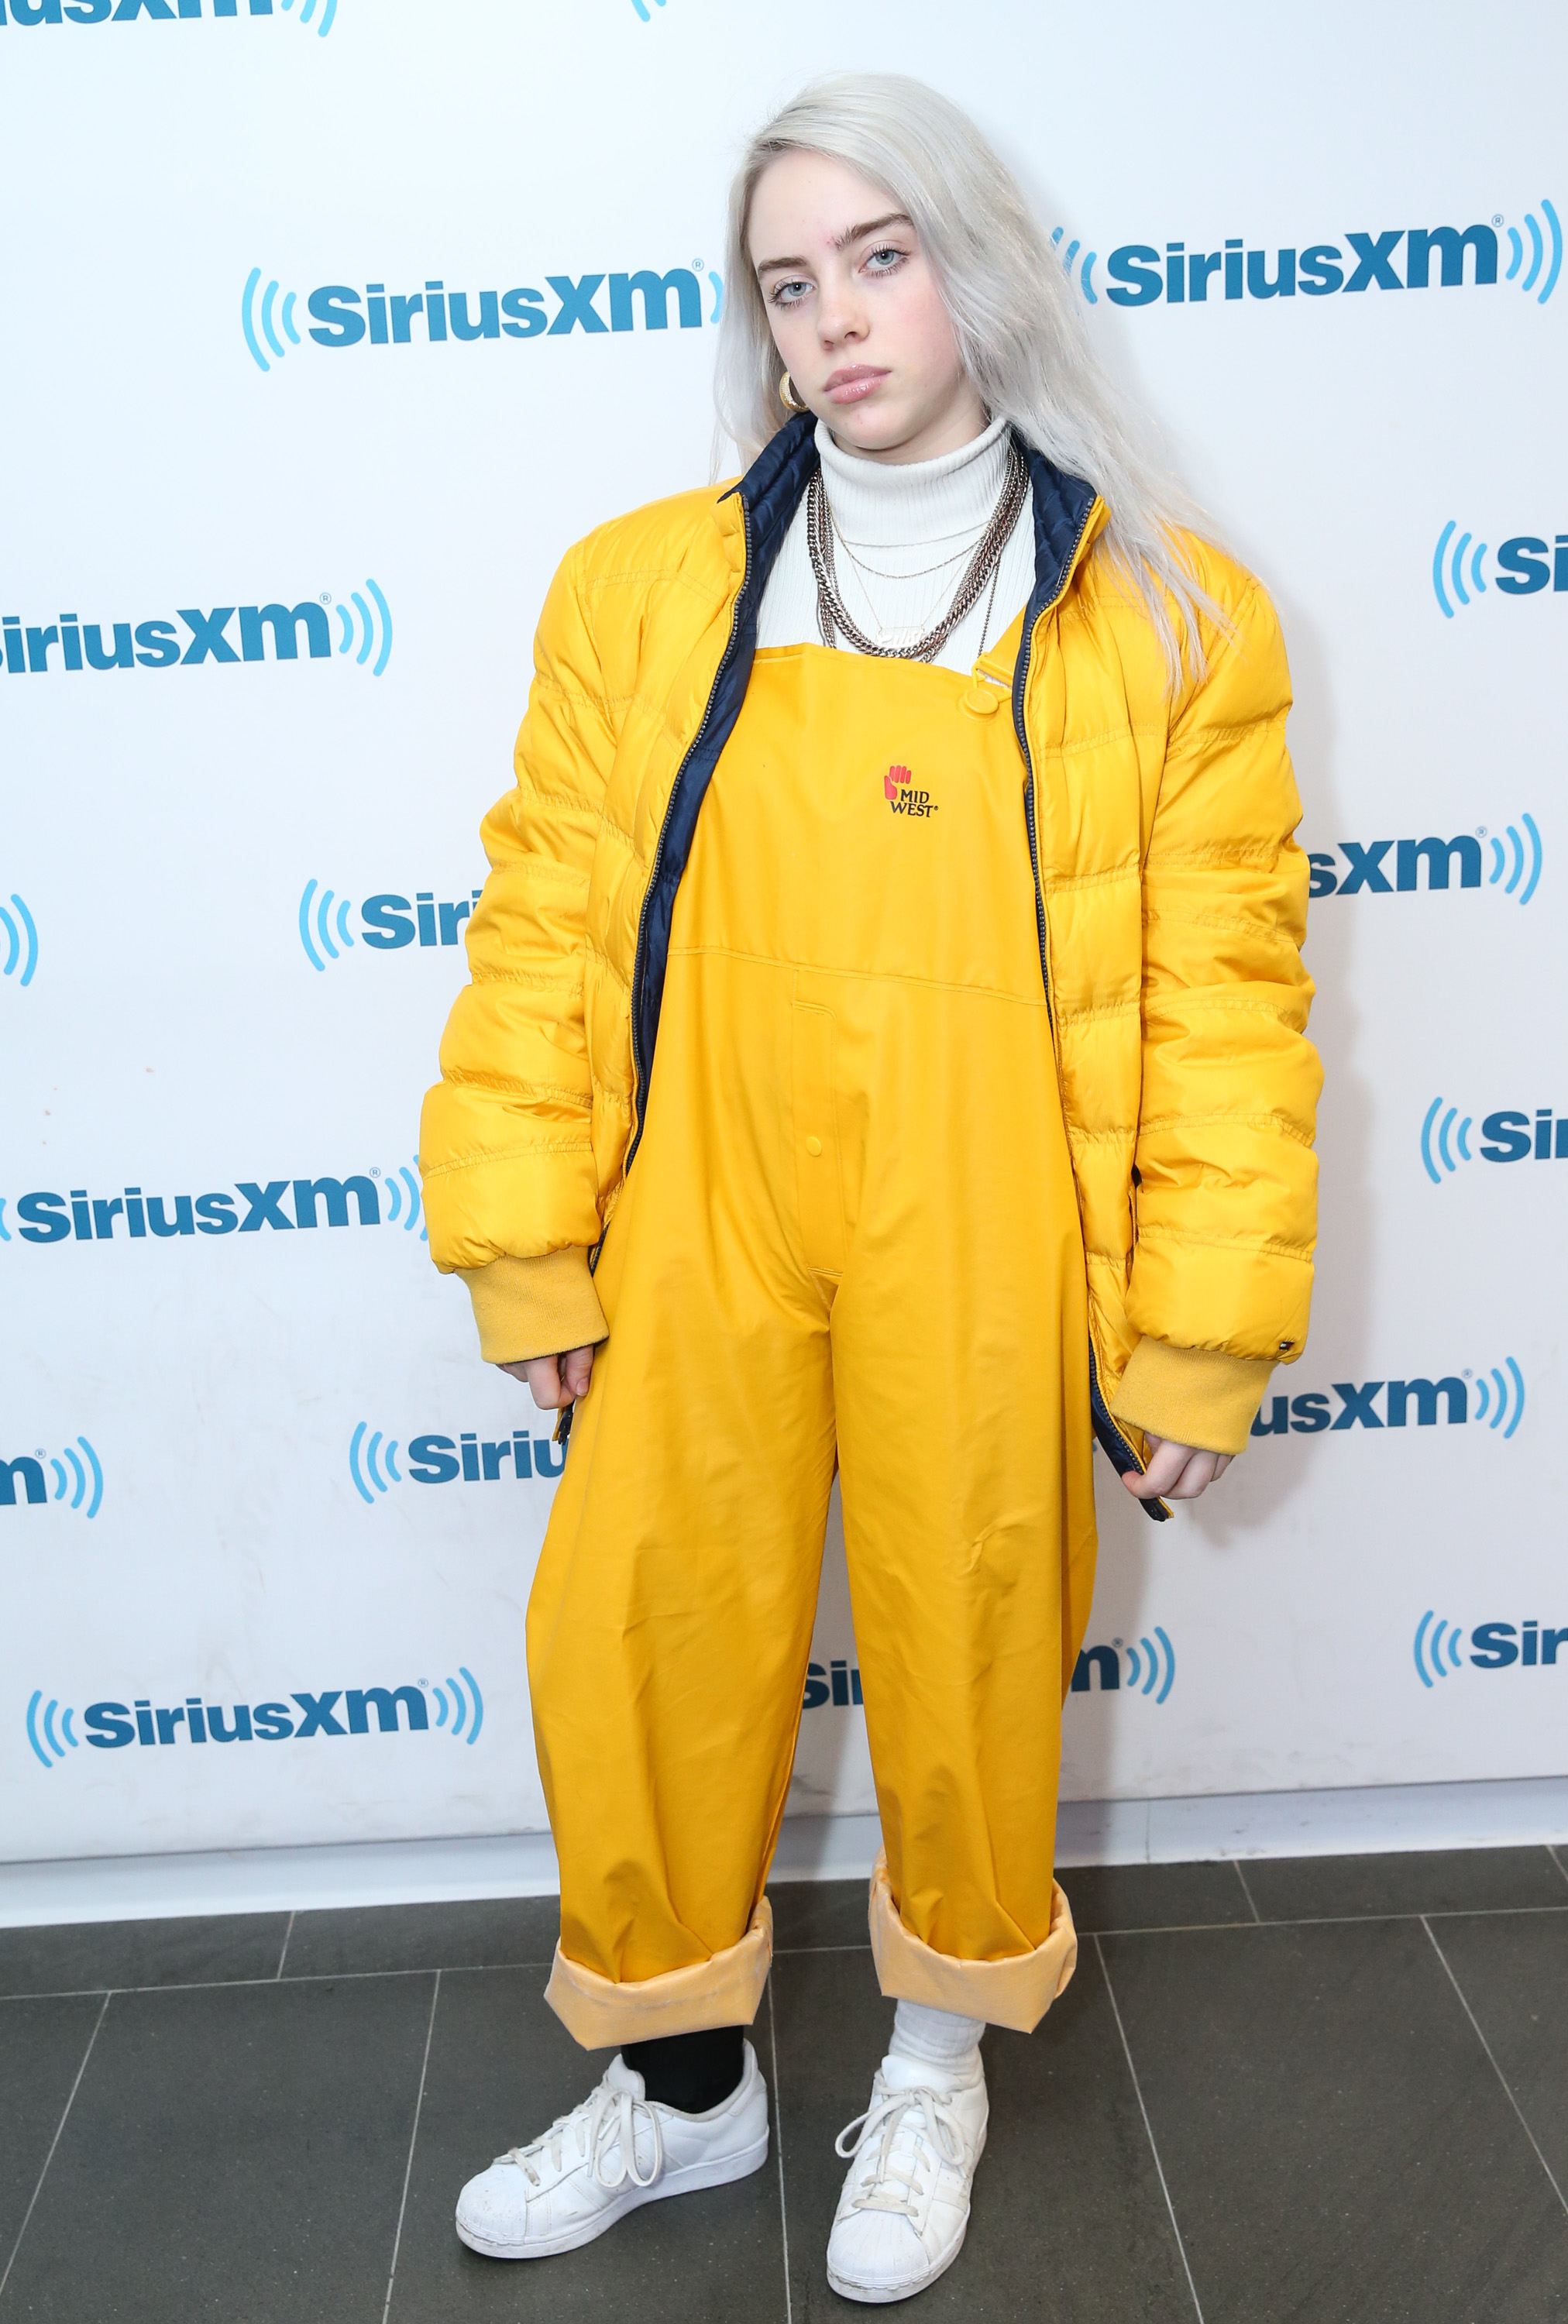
(1015,316)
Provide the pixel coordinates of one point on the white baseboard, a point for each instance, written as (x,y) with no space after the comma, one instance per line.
(1385,1818)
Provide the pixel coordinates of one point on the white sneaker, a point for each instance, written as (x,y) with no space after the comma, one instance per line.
(901,2218)
(616,2150)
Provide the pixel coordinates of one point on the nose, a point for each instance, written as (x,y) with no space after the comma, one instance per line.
(840,316)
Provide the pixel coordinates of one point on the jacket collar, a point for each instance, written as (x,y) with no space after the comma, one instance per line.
(774,485)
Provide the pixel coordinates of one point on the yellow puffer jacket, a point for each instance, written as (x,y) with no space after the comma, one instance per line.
(1172,906)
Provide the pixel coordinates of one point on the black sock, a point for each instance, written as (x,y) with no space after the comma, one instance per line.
(690,2071)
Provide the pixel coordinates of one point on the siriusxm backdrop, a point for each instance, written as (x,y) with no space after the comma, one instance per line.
(328,324)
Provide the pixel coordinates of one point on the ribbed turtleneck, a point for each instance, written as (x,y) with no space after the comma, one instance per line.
(902,519)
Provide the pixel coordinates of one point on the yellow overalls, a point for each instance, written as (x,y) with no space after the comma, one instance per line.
(850,1235)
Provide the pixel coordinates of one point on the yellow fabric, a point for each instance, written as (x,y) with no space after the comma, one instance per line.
(534,1306)
(1175,901)
(1195,1396)
(816,1257)
(1016,1992)
(725,1989)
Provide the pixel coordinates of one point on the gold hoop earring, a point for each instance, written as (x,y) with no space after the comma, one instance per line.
(788,398)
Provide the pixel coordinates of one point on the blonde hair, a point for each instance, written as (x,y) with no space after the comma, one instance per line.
(1020,330)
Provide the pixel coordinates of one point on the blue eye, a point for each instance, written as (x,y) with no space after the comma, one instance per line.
(790,293)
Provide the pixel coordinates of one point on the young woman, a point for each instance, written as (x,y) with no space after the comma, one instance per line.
(884,1052)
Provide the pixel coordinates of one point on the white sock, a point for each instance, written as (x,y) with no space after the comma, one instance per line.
(934,2037)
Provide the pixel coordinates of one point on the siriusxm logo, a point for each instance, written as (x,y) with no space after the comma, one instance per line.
(372,1458)
(155,11)
(1140,275)
(447,317)
(157,645)
(835,1684)
(1510,1136)
(78,1473)
(21,941)
(399,1710)
(1498,1396)
(1494,1645)
(1526,565)
(387,923)
(1365,874)
(46,1217)
(1150,1670)
(641,8)
(1151,1667)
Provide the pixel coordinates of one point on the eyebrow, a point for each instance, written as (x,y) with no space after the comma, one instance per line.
(843,241)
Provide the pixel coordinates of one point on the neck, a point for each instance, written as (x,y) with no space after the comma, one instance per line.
(912,501)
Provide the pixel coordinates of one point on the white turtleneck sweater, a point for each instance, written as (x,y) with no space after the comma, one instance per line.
(901,520)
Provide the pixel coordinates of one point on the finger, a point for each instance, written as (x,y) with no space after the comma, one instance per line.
(1165,1462)
(544,1380)
(1194,1477)
(576,1370)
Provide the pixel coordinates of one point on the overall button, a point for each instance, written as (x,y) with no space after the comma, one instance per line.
(814,1146)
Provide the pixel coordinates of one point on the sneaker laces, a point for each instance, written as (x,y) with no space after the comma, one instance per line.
(607,2120)
(900,2190)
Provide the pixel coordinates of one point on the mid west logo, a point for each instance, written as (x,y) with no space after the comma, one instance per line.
(1496,1397)
(459,1707)
(1514,869)
(1508,1135)
(320,14)
(232,634)
(284,1205)
(1526,564)
(1145,275)
(387,923)
(437,1460)
(21,935)
(1493,1647)
(434,316)
(903,796)
(76,1473)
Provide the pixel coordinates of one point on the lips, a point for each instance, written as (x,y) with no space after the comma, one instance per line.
(854,382)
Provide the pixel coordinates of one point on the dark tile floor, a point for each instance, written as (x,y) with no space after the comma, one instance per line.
(1333,2091)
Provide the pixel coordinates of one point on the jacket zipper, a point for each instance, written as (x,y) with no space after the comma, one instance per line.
(1097,1404)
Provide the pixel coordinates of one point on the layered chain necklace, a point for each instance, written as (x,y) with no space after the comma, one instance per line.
(832,617)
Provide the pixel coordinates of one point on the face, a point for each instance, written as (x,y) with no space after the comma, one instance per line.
(855,314)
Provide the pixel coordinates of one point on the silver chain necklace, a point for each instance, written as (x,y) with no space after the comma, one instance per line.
(833,616)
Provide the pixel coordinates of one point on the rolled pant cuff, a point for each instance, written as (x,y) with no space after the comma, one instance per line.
(1016,1992)
(724,1990)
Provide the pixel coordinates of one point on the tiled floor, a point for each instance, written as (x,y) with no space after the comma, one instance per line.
(1330,2089)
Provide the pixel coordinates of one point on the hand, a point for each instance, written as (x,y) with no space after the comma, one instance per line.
(1175,1472)
(555,1381)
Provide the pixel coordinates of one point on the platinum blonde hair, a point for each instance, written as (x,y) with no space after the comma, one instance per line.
(1015,315)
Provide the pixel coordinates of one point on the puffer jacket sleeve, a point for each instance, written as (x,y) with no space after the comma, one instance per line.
(1226,1193)
(505,1152)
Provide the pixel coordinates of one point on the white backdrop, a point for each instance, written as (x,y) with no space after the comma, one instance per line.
(215,1488)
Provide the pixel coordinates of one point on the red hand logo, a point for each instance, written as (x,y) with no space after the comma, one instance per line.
(892,779)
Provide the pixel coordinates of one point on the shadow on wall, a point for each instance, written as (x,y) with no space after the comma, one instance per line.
(832,1768)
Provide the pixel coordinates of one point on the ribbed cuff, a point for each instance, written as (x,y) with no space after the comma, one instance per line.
(1194,1395)
(527,1307)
